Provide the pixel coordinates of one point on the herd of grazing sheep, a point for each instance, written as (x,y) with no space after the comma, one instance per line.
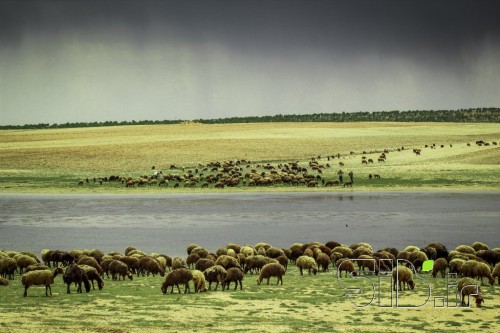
(319,171)
(231,263)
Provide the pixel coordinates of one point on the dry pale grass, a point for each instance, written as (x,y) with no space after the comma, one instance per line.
(135,148)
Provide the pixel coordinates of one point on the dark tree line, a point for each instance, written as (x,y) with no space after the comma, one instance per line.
(478,115)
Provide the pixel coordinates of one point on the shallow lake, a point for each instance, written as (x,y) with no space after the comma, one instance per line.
(168,223)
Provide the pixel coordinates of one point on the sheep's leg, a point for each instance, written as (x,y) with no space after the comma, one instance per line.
(47,287)
(179,289)
(67,289)
(186,288)
(25,291)
(268,280)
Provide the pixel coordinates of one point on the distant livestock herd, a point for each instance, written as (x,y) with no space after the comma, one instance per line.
(245,173)
(231,263)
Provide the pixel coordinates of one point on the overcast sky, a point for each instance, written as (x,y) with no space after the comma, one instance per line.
(70,61)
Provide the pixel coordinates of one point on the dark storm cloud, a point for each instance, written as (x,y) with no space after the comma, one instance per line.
(112,60)
(344,27)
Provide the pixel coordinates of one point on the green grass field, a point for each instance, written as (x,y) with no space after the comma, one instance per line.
(303,304)
(55,160)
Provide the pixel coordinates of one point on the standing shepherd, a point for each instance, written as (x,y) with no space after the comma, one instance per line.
(340,173)
(351,176)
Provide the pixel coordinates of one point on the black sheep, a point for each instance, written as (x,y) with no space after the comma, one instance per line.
(76,274)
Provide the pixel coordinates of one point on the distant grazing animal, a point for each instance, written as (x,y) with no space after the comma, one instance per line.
(332,182)
(404,276)
(40,278)
(176,277)
(234,274)
(468,286)
(76,274)
(270,270)
(305,262)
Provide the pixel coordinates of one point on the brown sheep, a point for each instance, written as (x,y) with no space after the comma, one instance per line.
(93,275)
(254,263)
(90,261)
(131,262)
(76,274)
(23,261)
(270,270)
(118,268)
(227,262)
(496,272)
(178,262)
(345,251)
(203,264)
(235,247)
(216,273)
(105,266)
(46,255)
(40,278)
(345,265)
(369,262)
(306,262)
(480,246)
(233,274)
(176,277)
(456,265)
(283,260)
(473,269)
(191,260)
(149,265)
(323,261)
(274,252)
(191,247)
(36,267)
(483,270)
(468,286)
(404,276)
(465,249)
(440,265)
(490,256)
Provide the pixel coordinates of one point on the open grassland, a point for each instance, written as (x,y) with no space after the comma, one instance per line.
(55,160)
(303,304)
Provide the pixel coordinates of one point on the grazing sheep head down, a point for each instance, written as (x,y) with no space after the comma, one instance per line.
(479,300)
(411,284)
